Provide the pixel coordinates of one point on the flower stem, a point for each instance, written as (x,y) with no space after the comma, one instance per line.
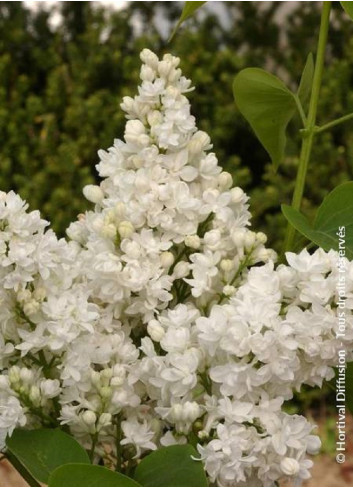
(93,446)
(119,457)
(310,129)
(334,123)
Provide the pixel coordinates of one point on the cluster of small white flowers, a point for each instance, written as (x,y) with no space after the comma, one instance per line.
(164,320)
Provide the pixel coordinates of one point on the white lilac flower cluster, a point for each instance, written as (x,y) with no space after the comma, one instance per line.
(163,319)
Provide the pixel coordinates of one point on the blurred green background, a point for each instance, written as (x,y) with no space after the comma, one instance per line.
(61,87)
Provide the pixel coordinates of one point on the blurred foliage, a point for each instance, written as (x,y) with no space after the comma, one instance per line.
(61,87)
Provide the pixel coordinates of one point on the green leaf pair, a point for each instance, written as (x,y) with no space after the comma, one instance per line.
(335,212)
(54,458)
(268,105)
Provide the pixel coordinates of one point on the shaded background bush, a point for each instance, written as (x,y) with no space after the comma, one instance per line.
(61,88)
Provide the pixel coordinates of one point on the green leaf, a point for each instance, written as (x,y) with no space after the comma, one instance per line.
(306,80)
(42,451)
(335,211)
(268,106)
(348,8)
(83,475)
(172,466)
(22,470)
(188,10)
(297,220)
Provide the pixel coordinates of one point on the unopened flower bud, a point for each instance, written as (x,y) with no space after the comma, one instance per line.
(261,237)
(109,231)
(147,73)
(164,68)
(106,374)
(34,395)
(238,237)
(173,60)
(155,330)
(177,412)
(199,142)
(202,435)
(167,259)
(128,104)
(14,375)
(290,466)
(265,255)
(225,180)
(193,241)
(105,392)
(174,74)
(105,419)
(237,195)
(89,418)
(31,307)
(93,193)
(313,444)
(135,133)
(95,378)
(227,265)
(229,290)
(150,58)
(181,269)
(125,229)
(249,240)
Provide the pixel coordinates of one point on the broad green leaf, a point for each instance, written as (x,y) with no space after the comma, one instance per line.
(22,470)
(348,7)
(268,106)
(297,220)
(188,11)
(306,80)
(83,475)
(172,466)
(335,211)
(42,451)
